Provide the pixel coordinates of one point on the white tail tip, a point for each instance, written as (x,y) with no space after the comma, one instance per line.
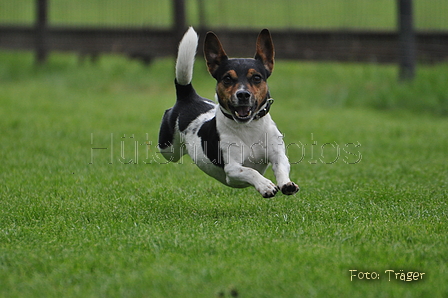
(185,57)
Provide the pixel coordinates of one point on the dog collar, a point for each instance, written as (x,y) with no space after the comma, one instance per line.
(263,112)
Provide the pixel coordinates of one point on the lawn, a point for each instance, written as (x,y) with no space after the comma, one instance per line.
(370,155)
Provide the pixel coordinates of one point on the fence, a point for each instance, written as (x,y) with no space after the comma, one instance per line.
(344,30)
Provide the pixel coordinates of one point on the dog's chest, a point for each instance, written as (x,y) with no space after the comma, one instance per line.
(247,145)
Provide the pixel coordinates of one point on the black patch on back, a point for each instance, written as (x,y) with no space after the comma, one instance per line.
(189,105)
(210,142)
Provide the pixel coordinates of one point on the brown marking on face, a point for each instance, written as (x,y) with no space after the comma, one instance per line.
(227,87)
(257,86)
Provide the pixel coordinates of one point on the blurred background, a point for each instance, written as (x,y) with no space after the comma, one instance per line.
(404,38)
(343,30)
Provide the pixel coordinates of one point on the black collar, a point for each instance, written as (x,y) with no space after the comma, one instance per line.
(263,112)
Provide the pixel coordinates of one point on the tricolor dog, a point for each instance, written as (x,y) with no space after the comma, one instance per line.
(234,140)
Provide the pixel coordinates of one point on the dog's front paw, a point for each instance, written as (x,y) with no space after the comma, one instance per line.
(290,188)
(268,190)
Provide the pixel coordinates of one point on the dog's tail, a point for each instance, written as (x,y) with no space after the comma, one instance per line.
(185,57)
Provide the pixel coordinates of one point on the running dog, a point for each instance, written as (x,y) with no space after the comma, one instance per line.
(235,139)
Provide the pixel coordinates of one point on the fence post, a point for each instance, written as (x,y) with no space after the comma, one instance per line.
(41,31)
(407,40)
(179,18)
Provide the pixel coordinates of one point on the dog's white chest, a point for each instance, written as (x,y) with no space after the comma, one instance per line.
(249,145)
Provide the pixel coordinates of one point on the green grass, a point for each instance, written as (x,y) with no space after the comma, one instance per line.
(314,14)
(73,229)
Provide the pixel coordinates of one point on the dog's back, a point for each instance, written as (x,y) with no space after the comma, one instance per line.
(189,105)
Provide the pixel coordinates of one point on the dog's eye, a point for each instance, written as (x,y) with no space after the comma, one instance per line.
(256,79)
(227,80)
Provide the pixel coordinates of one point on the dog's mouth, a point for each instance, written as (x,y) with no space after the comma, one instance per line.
(243,113)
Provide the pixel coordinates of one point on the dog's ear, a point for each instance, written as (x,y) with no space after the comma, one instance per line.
(265,50)
(214,52)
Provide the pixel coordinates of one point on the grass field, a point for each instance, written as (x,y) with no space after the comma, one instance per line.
(373,189)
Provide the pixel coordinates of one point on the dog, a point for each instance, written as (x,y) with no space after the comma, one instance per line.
(235,139)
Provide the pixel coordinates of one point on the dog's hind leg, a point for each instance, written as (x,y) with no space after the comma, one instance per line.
(169,138)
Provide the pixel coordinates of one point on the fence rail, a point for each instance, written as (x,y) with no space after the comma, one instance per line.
(369,46)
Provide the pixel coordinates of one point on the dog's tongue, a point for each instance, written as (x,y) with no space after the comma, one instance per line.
(243,111)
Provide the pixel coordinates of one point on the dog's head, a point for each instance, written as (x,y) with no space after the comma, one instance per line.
(241,88)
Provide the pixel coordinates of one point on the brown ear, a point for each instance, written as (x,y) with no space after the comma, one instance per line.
(214,52)
(265,50)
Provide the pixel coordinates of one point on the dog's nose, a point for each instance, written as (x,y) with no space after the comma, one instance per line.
(243,96)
